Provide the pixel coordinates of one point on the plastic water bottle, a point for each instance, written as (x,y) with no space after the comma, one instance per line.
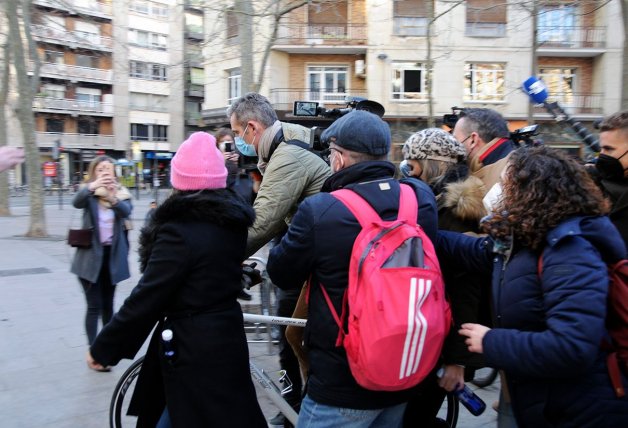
(469,399)
(166,342)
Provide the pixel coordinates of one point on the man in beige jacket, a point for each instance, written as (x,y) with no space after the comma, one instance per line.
(290,173)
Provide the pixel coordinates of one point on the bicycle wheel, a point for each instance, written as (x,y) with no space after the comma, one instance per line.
(484,376)
(449,410)
(121,397)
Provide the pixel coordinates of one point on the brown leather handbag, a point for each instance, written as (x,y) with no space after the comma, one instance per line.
(80,238)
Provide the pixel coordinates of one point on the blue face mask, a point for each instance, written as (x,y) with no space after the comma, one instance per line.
(405,169)
(243,147)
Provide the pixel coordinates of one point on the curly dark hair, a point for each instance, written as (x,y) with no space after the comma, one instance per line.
(542,187)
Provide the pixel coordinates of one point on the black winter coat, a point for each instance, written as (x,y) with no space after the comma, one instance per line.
(319,242)
(191,258)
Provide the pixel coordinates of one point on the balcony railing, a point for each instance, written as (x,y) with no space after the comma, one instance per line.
(75,141)
(571,37)
(71,72)
(70,105)
(72,38)
(322,34)
(576,103)
(144,107)
(93,8)
(283,99)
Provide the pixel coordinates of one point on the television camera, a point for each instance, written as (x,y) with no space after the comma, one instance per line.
(314,109)
(521,137)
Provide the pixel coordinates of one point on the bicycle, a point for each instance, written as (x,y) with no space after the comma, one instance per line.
(125,386)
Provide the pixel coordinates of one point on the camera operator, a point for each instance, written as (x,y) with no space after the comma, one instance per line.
(290,174)
(612,168)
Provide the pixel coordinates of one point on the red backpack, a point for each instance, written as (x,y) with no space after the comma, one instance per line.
(398,316)
(616,322)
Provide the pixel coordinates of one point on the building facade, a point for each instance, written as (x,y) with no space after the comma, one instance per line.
(481,51)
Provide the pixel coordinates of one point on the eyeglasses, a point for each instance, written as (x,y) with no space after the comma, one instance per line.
(468,136)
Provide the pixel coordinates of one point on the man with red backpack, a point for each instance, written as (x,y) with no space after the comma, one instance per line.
(321,244)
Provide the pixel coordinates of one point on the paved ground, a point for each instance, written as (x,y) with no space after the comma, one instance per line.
(44,381)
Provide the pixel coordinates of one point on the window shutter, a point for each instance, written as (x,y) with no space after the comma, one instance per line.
(328,13)
(410,8)
(486,11)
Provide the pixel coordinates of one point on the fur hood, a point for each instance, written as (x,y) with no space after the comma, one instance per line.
(464,199)
(223,207)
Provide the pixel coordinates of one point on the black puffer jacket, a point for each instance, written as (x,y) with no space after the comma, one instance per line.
(191,258)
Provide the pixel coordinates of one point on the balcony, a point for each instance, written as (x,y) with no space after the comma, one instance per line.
(144,107)
(73,73)
(571,41)
(322,38)
(576,103)
(194,5)
(72,39)
(100,10)
(192,90)
(194,118)
(194,32)
(71,141)
(71,106)
(283,99)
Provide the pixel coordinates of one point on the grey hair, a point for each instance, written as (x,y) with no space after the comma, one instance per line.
(253,106)
(488,123)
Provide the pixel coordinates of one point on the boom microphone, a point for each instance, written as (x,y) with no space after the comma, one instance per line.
(538,94)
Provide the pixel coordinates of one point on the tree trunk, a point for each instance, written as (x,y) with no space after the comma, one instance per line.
(534,59)
(430,66)
(24,112)
(5,209)
(245,35)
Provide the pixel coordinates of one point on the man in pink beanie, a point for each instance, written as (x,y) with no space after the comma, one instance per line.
(191,261)
(198,164)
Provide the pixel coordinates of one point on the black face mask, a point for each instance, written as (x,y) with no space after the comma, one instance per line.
(610,168)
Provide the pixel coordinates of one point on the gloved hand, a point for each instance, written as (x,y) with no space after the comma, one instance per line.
(250,275)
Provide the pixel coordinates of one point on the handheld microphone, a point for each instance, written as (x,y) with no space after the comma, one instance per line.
(537,91)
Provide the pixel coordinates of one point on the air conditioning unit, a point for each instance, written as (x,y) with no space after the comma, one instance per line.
(359,68)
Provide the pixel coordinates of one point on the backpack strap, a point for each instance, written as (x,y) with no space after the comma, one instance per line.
(366,214)
(339,319)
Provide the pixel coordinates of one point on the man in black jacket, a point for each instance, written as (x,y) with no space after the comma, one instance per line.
(318,245)
(612,167)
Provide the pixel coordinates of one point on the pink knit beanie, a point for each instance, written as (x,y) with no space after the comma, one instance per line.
(198,164)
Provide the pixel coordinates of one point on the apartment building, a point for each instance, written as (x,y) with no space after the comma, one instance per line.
(481,51)
(117,77)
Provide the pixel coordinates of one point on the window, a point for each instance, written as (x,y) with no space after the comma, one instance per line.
(88,126)
(86,61)
(149,8)
(54,57)
(484,82)
(54,125)
(560,83)
(408,81)
(148,102)
(139,132)
(410,17)
(327,83)
(142,132)
(87,31)
(197,76)
(327,19)
(557,25)
(232,24)
(88,97)
(486,18)
(147,40)
(149,71)
(235,82)
(54,91)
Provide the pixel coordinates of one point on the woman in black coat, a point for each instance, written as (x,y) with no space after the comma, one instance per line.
(191,256)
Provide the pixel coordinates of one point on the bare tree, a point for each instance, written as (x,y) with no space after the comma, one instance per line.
(4,85)
(18,31)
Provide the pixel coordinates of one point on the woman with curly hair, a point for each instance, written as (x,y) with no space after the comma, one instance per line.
(548,325)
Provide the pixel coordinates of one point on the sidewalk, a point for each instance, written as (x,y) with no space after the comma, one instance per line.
(44,381)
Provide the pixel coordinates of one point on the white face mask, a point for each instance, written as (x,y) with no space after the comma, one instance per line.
(492,197)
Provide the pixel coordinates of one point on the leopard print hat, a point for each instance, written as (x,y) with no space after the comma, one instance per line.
(434,144)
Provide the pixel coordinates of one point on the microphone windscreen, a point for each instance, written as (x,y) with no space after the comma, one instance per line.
(535,89)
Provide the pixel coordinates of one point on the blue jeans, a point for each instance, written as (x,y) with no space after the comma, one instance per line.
(315,415)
